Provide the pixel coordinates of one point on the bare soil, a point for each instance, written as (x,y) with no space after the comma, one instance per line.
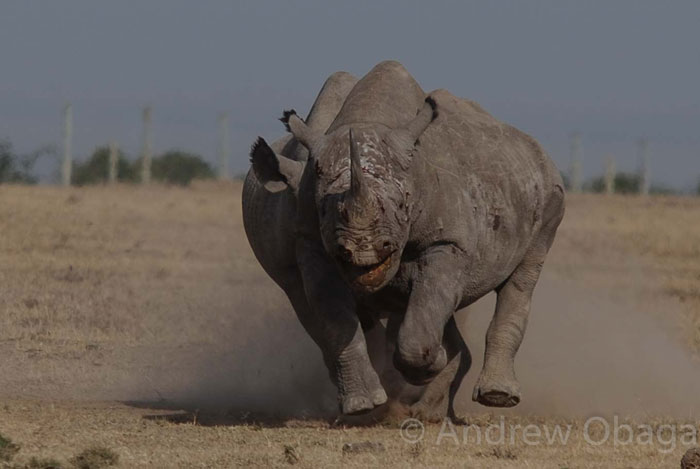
(137,319)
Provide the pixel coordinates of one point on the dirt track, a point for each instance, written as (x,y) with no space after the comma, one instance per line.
(119,304)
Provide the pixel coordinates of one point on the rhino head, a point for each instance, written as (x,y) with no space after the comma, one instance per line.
(362,189)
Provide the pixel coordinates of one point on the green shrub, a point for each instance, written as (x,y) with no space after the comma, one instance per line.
(95,170)
(180,167)
(625,183)
(659,189)
(15,168)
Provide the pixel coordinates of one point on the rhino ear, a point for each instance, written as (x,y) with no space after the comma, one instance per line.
(272,167)
(302,132)
(427,114)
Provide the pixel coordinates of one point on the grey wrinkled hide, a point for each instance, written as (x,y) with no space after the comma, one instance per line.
(400,207)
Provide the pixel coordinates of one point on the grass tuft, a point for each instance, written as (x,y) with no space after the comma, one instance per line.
(96,457)
(35,463)
(7,449)
(291,454)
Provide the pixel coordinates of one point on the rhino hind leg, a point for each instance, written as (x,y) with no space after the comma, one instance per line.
(497,385)
(336,329)
(359,389)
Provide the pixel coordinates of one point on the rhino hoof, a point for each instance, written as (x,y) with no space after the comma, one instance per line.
(496,396)
(379,397)
(354,405)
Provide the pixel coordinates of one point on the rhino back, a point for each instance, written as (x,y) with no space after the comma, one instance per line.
(387,95)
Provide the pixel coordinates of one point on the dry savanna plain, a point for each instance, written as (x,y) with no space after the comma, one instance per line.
(136,325)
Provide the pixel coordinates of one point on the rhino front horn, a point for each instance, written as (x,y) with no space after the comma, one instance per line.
(360,196)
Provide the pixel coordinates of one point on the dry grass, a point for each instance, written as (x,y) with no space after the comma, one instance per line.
(109,293)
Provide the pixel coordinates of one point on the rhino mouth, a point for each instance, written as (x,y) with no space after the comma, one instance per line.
(370,276)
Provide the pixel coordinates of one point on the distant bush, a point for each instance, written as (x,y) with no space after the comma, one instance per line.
(15,168)
(658,189)
(625,183)
(95,170)
(180,167)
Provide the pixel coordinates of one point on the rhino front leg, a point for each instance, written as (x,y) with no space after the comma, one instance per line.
(436,291)
(339,333)
(437,399)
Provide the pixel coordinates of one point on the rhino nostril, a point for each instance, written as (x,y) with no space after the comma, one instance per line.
(345,254)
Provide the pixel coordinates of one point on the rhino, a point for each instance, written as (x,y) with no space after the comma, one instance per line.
(386,211)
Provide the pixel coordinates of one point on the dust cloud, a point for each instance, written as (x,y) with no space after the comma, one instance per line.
(589,353)
(256,360)
(585,353)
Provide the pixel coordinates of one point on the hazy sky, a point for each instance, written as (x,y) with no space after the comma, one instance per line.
(612,70)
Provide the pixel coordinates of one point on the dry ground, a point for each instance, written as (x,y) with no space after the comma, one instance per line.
(120,306)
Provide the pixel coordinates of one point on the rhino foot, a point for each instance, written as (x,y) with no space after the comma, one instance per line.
(362,391)
(497,393)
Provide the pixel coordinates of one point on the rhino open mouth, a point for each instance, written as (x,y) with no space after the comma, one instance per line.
(370,276)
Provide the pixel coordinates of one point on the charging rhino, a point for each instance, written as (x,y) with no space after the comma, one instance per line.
(405,207)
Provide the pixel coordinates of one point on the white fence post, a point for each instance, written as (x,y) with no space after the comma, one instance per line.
(147,147)
(223,147)
(113,161)
(575,173)
(67,165)
(610,173)
(644,170)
